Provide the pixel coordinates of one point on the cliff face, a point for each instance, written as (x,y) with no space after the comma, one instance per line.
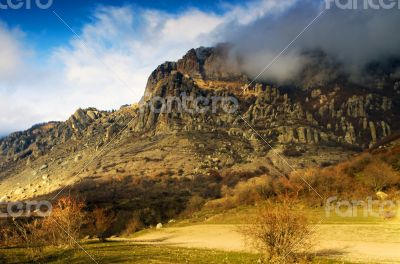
(206,66)
(320,120)
(211,64)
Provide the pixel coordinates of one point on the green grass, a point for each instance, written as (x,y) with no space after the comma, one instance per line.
(319,215)
(242,214)
(128,252)
(239,215)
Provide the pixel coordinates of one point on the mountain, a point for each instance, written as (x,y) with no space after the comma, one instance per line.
(198,116)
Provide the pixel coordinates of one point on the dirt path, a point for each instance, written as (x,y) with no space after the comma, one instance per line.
(357,243)
(224,237)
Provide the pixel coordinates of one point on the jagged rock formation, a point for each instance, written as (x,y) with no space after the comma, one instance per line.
(90,124)
(319,121)
(41,138)
(337,113)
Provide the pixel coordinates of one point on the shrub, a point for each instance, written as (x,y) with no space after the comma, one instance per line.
(293,151)
(194,204)
(64,224)
(357,164)
(280,233)
(61,228)
(24,232)
(9,236)
(244,193)
(329,181)
(224,203)
(32,236)
(379,175)
(252,191)
(102,222)
(133,226)
(233,177)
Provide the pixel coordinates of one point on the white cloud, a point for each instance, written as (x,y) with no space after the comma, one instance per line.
(193,23)
(11,53)
(254,10)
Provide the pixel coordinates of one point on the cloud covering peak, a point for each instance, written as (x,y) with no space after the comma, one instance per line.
(352,37)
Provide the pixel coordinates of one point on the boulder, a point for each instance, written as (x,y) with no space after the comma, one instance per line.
(19,191)
(381,196)
(4,199)
(78,157)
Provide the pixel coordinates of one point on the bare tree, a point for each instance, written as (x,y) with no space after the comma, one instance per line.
(379,175)
(280,233)
(64,224)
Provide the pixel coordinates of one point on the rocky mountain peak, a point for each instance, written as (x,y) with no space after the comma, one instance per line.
(202,65)
(209,64)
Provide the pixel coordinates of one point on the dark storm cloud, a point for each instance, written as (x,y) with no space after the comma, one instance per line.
(352,37)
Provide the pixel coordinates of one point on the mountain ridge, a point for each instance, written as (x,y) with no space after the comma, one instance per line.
(317,123)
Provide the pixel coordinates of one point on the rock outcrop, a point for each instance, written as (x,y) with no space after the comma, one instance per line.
(339,113)
(42,138)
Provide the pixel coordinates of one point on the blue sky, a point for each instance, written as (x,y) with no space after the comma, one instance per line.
(42,27)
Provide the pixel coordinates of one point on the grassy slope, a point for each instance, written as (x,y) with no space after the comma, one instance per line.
(241,215)
(126,252)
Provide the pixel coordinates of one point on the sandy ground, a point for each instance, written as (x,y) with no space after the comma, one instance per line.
(356,243)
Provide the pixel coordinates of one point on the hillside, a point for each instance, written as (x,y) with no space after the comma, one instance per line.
(320,122)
